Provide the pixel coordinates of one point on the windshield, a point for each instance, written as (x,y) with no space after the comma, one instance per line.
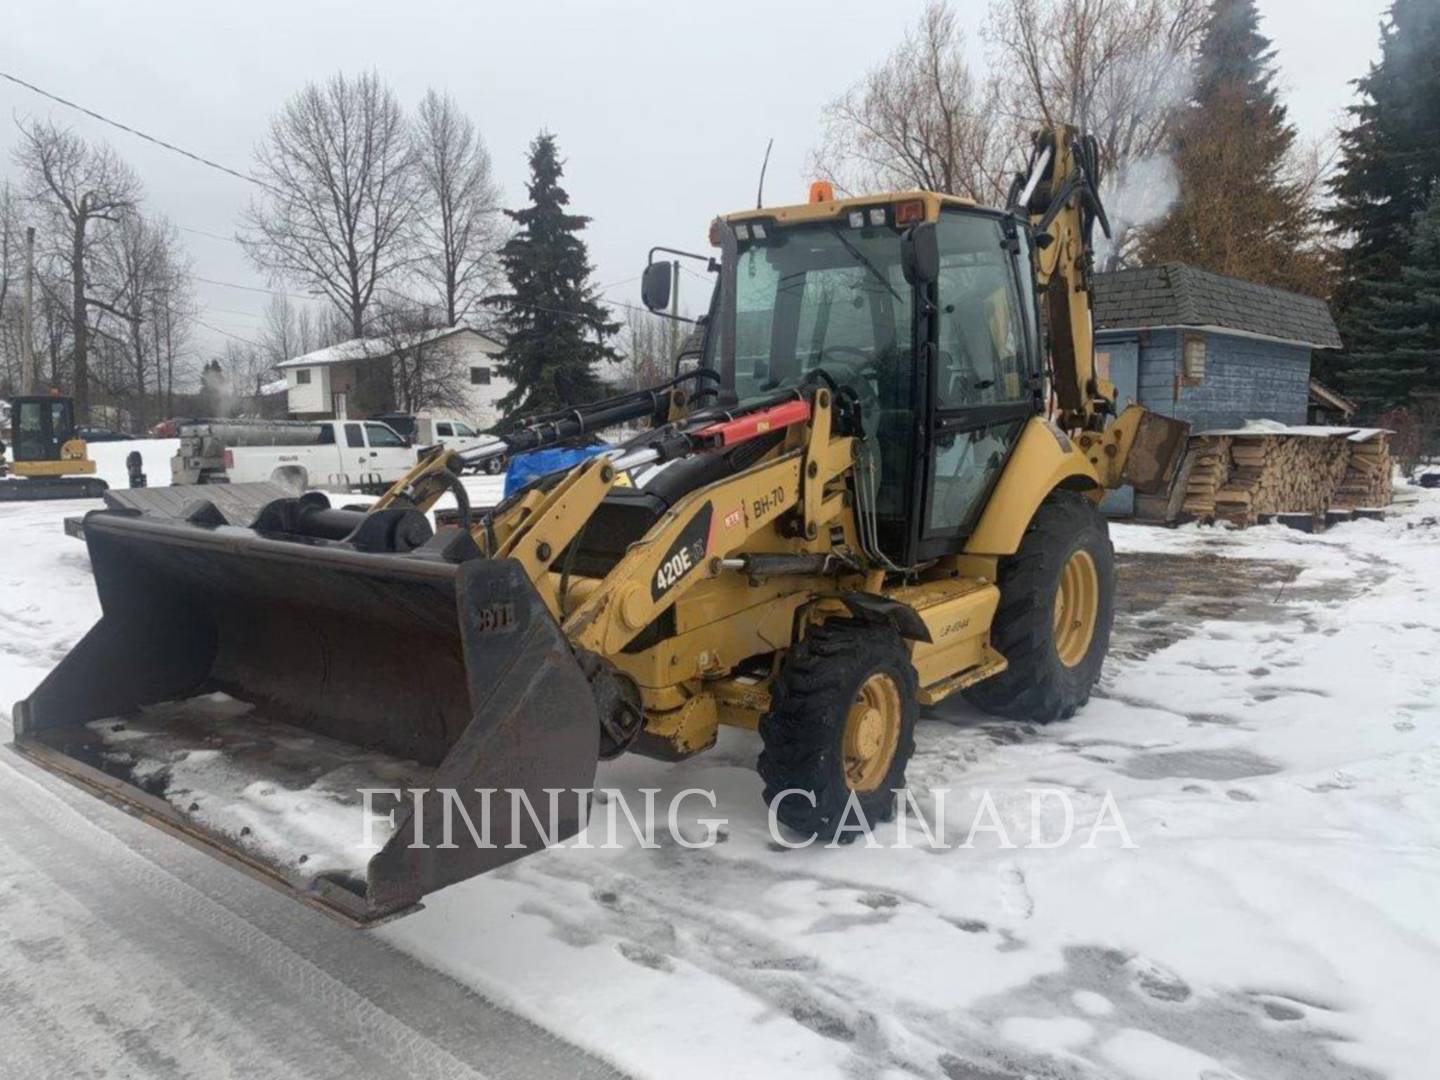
(826,297)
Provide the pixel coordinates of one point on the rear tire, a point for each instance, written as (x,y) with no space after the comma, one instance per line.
(1065,551)
(842,719)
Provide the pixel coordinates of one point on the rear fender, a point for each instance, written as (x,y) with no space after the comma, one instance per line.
(1043,459)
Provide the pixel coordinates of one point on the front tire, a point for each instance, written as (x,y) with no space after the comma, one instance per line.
(1057,603)
(841,720)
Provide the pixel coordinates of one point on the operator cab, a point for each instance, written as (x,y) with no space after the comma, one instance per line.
(40,427)
(942,359)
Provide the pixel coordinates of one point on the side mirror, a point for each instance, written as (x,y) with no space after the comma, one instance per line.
(655,286)
(920,253)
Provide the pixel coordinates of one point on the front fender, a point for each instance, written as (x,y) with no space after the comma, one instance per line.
(1043,459)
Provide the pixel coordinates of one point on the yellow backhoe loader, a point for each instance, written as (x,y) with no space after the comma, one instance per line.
(879,488)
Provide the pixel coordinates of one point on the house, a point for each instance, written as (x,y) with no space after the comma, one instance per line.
(1203,347)
(358,377)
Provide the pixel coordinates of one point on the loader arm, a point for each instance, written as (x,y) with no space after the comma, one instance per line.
(802,486)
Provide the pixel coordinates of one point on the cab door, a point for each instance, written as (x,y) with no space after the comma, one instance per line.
(389,456)
(40,427)
(355,455)
(33,437)
(982,384)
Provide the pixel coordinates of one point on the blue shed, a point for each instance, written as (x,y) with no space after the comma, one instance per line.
(1203,347)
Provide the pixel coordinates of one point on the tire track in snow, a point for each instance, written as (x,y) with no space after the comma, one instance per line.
(683,914)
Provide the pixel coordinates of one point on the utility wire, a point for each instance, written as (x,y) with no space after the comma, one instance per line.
(244,288)
(202,232)
(226,333)
(139,134)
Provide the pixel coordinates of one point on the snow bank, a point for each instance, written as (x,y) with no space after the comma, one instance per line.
(109,458)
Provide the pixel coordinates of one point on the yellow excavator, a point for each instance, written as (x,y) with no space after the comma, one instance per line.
(879,488)
(49,459)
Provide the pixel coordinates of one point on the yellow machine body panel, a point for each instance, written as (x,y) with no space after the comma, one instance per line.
(1043,459)
(829,209)
(74,461)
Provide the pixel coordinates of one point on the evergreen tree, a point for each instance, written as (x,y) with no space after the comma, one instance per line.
(555,329)
(1396,358)
(1237,211)
(1389,164)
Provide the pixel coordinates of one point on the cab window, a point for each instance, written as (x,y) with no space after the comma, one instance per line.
(983,349)
(983,392)
(382,436)
(354,436)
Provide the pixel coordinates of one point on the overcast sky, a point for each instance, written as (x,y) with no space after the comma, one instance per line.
(662,110)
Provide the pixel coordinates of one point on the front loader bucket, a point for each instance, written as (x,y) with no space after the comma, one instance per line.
(246,691)
(1153,462)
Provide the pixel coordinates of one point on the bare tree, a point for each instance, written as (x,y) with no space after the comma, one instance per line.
(146,276)
(922,119)
(289,329)
(426,374)
(647,343)
(81,187)
(238,386)
(172,321)
(460,225)
(339,166)
(12,377)
(1115,69)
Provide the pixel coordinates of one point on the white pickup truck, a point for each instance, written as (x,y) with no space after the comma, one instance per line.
(456,435)
(347,455)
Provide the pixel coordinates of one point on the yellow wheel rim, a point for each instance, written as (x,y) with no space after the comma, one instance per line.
(1077,604)
(872,731)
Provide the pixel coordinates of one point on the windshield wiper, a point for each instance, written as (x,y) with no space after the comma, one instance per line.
(860,255)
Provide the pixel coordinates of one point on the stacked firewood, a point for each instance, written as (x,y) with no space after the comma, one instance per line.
(1208,474)
(1238,478)
(1369,477)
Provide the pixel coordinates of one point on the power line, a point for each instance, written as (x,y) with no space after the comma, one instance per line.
(617,284)
(226,333)
(245,288)
(202,232)
(139,134)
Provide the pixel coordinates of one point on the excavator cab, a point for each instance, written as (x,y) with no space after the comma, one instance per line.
(47,456)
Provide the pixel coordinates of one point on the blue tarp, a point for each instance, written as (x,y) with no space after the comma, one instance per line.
(526,467)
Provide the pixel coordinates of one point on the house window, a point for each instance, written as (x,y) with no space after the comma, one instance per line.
(302,377)
(1192,357)
(479,376)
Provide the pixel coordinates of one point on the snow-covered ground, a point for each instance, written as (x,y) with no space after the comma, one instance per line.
(1268,731)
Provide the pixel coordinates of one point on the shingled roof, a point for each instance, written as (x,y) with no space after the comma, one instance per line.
(1173,294)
